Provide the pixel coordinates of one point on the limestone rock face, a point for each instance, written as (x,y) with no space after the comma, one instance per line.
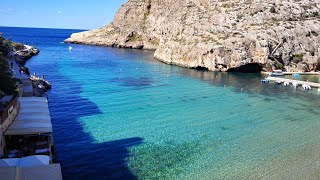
(218,35)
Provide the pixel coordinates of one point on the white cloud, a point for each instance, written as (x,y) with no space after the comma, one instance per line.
(10,9)
(59,12)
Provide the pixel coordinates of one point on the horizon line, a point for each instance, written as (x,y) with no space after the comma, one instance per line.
(43,28)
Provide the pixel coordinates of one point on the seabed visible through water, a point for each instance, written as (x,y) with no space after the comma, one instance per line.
(118,113)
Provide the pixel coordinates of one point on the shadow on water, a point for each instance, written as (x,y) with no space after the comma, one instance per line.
(248,83)
(79,156)
(133,82)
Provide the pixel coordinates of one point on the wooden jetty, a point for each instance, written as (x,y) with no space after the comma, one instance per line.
(312,84)
(300,73)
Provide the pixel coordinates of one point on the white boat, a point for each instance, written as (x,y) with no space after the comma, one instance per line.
(295,84)
(306,87)
(278,82)
(318,89)
(276,73)
(264,80)
(286,83)
(70,48)
(41,86)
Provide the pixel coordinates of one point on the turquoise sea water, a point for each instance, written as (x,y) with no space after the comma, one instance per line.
(120,114)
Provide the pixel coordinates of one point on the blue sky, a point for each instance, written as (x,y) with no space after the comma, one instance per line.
(69,14)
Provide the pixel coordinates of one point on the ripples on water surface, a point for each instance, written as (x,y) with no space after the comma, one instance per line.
(121,114)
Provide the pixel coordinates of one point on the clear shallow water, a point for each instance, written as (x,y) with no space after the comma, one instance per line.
(119,114)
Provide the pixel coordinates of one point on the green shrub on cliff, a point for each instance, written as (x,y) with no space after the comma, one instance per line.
(279,66)
(17,46)
(5,46)
(7,82)
(297,58)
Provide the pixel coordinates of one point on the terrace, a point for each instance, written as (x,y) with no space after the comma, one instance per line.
(29,130)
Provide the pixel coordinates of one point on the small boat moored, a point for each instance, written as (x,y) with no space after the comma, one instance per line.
(276,73)
(286,83)
(278,82)
(70,48)
(306,87)
(265,80)
(295,84)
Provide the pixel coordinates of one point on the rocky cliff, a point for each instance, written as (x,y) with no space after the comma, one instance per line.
(21,53)
(241,35)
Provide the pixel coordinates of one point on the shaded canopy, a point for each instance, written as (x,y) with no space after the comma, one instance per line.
(28,161)
(47,172)
(33,117)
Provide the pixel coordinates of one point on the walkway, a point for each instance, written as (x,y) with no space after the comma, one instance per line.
(312,84)
(27,85)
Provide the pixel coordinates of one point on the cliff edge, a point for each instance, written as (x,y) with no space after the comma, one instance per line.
(236,35)
(21,53)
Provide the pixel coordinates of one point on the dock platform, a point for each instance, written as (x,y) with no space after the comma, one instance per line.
(312,84)
(300,73)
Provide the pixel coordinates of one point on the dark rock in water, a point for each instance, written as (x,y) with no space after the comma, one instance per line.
(40,85)
(131,81)
(25,70)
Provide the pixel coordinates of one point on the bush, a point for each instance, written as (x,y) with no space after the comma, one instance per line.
(298,56)
(273,10)
(315,14)
(17,46)
(279,66)
(7,83)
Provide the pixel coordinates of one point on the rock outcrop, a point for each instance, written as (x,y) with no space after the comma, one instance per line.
(217,35)
(21,53)
(25,54)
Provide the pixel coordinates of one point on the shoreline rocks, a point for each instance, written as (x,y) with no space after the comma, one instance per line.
(25,54)
(40,85)
(20,53)
(217,35)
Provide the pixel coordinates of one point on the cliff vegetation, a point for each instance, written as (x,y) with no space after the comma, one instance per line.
(7,81)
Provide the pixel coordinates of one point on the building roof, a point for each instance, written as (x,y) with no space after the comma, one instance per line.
(29,168)
(33,117)
(29,161)
(47,172)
